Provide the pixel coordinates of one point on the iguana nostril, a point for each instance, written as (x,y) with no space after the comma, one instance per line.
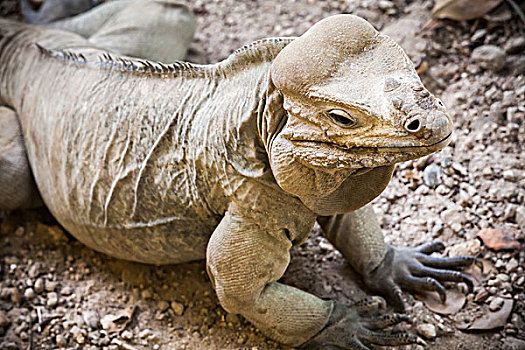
(413,125)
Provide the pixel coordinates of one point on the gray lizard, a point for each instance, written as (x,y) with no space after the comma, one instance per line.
(232,162)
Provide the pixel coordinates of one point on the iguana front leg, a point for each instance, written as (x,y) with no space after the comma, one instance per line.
(245,258)
(388,270)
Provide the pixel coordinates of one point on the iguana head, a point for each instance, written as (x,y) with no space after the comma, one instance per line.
(353,101)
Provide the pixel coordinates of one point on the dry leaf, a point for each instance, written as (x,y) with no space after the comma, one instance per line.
(454,303)
(490,319)
(477,275)
(497,239)
(460,10)
(116,323)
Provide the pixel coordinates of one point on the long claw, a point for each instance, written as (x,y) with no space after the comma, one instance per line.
(391,339)
(425,283)
(479,264)
(444,275)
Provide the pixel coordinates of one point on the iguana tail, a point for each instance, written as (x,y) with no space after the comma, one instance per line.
(19,50)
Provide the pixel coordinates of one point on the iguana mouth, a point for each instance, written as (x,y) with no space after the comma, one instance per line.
(389,149)
(432,147)
(327,154)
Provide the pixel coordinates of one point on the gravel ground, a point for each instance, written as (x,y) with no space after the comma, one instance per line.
(56,293)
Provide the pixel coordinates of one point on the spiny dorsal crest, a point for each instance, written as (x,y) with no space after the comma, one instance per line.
(259,51)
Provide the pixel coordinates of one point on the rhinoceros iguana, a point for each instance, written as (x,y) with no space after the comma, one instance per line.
(233,163)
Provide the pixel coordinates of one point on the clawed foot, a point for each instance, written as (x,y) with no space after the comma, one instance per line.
(354,327)
(414,270)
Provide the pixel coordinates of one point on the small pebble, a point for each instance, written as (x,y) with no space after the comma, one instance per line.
(52,299)
(51,286)
(512,265)
(145,333)
(29,294)
(432,175)
(61,341)
(34,270)
(128,335)
(178,308)
(489,57)
(66,290)
(91,318)
(146,294)
(509,175)
(494,283)
(4,320)
(502,277)
(39,285)
(481,296)
(163,305)
(426,330)
(496,304)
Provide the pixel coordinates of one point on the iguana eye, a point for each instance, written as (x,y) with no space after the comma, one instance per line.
(342,118)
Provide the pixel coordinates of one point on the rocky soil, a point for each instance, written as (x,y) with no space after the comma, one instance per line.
(56,293)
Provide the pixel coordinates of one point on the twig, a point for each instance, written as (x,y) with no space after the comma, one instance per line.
(517,9)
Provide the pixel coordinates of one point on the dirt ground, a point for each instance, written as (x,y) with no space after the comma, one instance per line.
(56,293)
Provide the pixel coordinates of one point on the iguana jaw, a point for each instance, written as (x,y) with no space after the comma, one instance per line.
(329,155)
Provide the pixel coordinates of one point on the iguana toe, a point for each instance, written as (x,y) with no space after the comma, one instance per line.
(412,269)
(347,328)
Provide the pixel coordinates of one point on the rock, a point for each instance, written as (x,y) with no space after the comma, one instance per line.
(496,304)
(39,285)
(494,283)
(385,4)
(509,174)
(4,320)
(79,335)
(61,341)
(51,286)
(128,335)
(432,175)
(459,168)
(29,294)
(91,318)
(52,299)
(145,333)
(426,330)
(34,270)
(520,280)
(481,295)
(163,305)
(503,277)
(489,57)
(66,290)
(515,45)
(146,294)
(16,297)
(520,216)
(178,308)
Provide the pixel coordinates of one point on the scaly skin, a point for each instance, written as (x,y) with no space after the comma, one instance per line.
(234,162)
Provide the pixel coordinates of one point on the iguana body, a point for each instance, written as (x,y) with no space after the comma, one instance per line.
(233,162)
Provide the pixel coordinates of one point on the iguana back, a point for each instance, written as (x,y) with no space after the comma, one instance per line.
(132,156)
